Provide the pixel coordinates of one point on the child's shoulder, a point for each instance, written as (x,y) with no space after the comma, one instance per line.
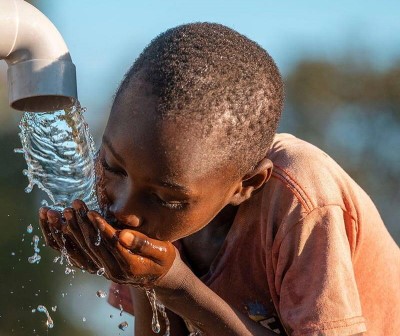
(310,174)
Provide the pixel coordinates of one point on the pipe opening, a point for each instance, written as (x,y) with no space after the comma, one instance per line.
(44,103)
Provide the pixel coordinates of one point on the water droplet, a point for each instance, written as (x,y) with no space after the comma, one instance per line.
(121,309)
(111,316)
(49,322)
(101,294)
(123,325)
(84,319)
(28,189)
(100,271)
(54,308)
(98,238)
(33,310)
(36,257)
(13,253)
(155,324)
(29,228)
(19,150)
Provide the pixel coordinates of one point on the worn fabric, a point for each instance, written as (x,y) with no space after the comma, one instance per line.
(308,254)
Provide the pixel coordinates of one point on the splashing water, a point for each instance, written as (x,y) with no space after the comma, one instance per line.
(60,155)
(64,257)
(101,294)
(98,238)
(49,322)
(157,307)
(100,271)
(36,257)
(161,309)
(29,228)
(123,325)
(59,152)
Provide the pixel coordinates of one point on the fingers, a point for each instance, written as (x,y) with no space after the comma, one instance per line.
(55,223)
(58,235)
(48,238)
(159,251)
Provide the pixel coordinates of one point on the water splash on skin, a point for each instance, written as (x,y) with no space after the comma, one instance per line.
(36,257)
(98,238)
(59,152)
(49,322)
(64,257)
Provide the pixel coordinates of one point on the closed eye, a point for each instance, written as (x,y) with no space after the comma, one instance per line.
(112,170)
(172,205)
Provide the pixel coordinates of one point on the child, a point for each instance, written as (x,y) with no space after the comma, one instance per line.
(239,231)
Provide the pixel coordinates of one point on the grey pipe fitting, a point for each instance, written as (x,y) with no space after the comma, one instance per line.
(41,75)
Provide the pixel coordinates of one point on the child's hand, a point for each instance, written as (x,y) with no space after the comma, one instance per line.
(127,256)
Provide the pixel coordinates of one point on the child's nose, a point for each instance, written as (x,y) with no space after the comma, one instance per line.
(124,217)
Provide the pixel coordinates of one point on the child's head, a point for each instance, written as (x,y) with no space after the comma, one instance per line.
(198,108)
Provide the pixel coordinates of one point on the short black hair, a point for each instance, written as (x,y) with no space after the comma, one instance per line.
(209,73)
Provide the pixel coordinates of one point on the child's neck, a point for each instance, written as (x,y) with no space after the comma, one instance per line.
(202,247)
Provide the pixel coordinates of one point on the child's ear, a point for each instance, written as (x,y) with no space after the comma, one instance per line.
(253,181)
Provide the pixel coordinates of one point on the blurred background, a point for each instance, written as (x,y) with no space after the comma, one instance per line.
(341,64)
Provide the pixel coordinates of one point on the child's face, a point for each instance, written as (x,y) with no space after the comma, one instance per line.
(158,178)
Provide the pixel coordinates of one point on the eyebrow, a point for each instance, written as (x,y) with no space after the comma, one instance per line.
(175,186)
(107,142)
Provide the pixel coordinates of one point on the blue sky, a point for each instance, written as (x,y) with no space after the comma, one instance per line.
(104,37)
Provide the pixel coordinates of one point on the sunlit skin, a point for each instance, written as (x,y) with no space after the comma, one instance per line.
(159,182)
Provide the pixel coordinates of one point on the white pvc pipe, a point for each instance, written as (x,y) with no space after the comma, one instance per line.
(41,75)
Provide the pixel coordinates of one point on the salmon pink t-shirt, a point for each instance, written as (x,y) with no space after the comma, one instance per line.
(308,254)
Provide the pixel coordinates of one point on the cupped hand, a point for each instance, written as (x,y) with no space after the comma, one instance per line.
(127,256)
(59,233)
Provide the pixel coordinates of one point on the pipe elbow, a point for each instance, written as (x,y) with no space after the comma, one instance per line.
(41,75)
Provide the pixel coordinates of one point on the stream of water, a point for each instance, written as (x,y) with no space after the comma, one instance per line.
(60,156)
(59,152)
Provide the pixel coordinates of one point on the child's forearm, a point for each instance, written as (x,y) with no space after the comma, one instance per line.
(182,292)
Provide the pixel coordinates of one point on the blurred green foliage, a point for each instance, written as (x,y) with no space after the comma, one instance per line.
(349,109)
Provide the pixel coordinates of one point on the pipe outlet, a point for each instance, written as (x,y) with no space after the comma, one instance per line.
(41,75)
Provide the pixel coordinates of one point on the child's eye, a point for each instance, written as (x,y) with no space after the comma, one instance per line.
(110,169)
(172,205)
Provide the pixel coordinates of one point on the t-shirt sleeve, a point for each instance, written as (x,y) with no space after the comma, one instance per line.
(314,277)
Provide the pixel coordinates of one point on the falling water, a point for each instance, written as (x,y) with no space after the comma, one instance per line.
(36,257)
(59,152)
(123,325)
(155,307)
(43,309)
(60,155)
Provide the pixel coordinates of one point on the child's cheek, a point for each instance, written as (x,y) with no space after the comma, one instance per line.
(101,187)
